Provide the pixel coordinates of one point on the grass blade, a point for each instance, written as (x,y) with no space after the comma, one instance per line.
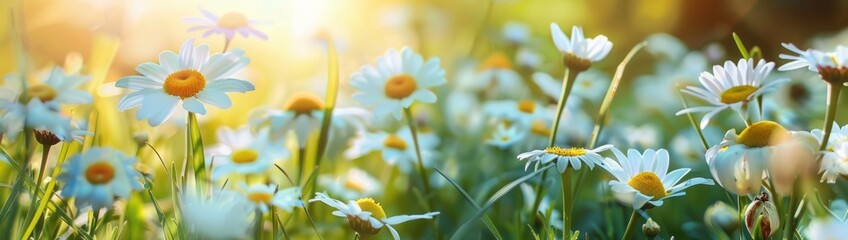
(486,220)
(742,49)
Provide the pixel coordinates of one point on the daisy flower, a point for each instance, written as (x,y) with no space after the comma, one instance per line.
(99,175)
(228,25)
(660,90)
(366,217)
(738,162)
(35,115)
(835,159)
(830,65)
(565,157)
(261,195)
(226,215)
(521,112)
(191,78)
(731,86)
(515,33)
(505,137)
(356,183)
(396,81)
(396,148)
(496,73)
(580,52)
(527,58)
(838,136)
(827,228)
(57,89)
(243,152)
(643,179)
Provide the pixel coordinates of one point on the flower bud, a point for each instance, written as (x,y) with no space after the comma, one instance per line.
(722,216)
(140,138)
(651,229)
(762,209)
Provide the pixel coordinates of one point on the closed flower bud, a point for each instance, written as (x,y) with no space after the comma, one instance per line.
(140,138)
(651,229)
(763,210)
(722,216)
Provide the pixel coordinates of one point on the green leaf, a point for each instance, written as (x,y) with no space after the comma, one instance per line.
(486,220)
(196,155)
(742,49)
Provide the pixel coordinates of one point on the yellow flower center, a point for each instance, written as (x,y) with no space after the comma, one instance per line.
(393,141)
(42,91)
(232,20)
(304,103)
(497,60)
(737,94)
(526,106)
(354,185)
(242,156)
(566,152)
(504,138)
(368,204)
(540,128)
(99,173)
(649,184)
(400,86)
(761,134)
(184,83)
(260,197)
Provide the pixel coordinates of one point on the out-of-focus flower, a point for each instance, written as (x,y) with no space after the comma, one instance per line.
(515,33)
(527,58)
(56,90)
(686,146)
(565,157)
(660,90)
(505,137)
(463,114)
(228,25)
(764,209)
(641,136)
(261,196)
(590,85)
(496,73)
(665,46)
(580,52)
(521,112)
(835,159)
(97,176)
(396,148)
(555,219)
(643,180)
(366,217)
(723,217)
(396,81)
(226,215)
(827,228)
(731,86)
(191,78)
(354,184)
(243,152)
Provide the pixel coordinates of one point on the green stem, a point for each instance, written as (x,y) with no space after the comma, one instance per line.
(566,203)
(425,178)
(45,152)
(628,233)
(692,120)
(832,103)
(195,153)
(301,160)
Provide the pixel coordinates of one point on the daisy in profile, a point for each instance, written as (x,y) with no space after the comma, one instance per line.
(356,183)
(191,79)
(97,176)
(366,217)
(226,215)
(229,25)
(396,81)
(395,148)
(505,137)
(643,179)
(831,65)
(731,86)
(240,151)
(261,196)
(521,112)
(578,51)
(565,157)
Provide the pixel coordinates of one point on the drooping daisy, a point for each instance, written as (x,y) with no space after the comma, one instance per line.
(827,228)
(738,162)
(824,63)
(396,148)
(191,78)
(99,175)
(396,81)
(580,52)
(643,179)
(590,85)
(731,86)
(366,217)
(225,215)
(521,112)
(228,25)
(261,196)
(243,152)
(354,184)
(565,157)
(505,137)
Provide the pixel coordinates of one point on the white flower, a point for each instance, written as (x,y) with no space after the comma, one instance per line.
(41,108)
(838,135)
(496,75)
(56,90)
(590,85)
(396,81)
(228,24)
(529,194)
(564,157)
(97,176)
(828,228)
(643,178)
(396,148)
(35,115)
(225,215)
(243,152)
(356,183)
(660,89)
(366,216)
(191,78)
(527,58)
(834,163)
(731,86)
(813,59)
(521,112)
(514,32)
(261,195)
(588,49)
(505,137)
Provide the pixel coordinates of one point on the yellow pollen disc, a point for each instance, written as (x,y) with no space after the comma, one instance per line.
(368,204)
(99,173)
(761,134)
(185,83)
(566,152)
(260,197)
(737,94)
(393,141)
(244,156)
(540,128)
(354,185)
(497,60)
(526,106)
(304,103)
(505,138)
(649,184)
(400,86)
(43,92)
(232,20)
